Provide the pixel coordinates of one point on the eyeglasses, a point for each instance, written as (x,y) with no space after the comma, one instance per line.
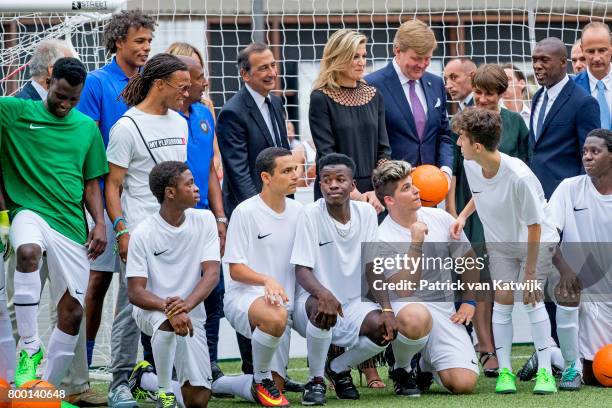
(180,89)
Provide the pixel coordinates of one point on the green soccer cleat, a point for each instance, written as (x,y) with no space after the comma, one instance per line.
(506,382)
(545,383)
(166,400)
(139,393)
(571,380)
(27,366)
(66,404)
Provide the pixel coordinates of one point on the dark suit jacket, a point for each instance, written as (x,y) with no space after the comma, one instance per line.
(28,92)
(436,147)
(242,134)
(557,154)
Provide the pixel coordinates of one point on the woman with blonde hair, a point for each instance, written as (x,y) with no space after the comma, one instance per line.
(188,50)
(346,114)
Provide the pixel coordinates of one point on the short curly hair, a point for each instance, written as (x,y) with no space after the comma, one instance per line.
(117,28)
(165,174)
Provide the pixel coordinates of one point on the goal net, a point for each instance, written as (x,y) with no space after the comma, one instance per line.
(491,31)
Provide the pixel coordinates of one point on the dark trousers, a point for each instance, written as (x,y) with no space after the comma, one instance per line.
(214,312)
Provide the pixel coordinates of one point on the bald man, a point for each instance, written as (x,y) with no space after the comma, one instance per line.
(458,81)
(578,59)
(563,113)
(596,80)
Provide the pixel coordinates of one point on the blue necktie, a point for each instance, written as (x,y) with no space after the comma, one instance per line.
(604,109)
(541,116)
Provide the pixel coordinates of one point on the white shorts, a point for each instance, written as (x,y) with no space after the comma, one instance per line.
(236,304)
(509,266)
(191,361)
(595,330)
(346,331)
(449,345)
(67,260)
(108,261)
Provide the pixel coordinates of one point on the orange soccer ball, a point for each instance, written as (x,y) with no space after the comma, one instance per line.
(432,184)
(4,387)
(602,365)
(47,397)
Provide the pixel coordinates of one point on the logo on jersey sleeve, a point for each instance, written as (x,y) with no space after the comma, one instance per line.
(204,125)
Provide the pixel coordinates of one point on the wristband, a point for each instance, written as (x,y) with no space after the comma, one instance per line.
(122,232)
(387,310)
(469,302)
(222,220)
(117,221)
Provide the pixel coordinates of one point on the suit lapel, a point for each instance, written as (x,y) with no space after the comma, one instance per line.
(561,100)
(256,115)
(395,88)
(429,100)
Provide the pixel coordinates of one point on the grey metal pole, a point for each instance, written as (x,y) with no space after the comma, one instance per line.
(258,21)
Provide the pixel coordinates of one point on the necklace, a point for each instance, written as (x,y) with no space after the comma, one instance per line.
(342,232)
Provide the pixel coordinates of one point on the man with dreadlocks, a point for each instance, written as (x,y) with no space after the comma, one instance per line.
(150,132)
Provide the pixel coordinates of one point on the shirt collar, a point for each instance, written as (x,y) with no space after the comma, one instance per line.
(116,70)
(403,78)
(259,98)
(607,80)
(555,90)
(41,91)
(466,101)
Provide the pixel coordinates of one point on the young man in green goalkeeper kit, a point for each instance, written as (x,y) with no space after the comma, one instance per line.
(51,158)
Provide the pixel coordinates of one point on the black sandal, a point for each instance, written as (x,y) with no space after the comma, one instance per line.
(488,372)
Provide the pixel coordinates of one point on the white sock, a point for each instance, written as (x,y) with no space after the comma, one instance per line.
(540,333)
(26,299)
(163,345)
(502,333)
(405,348)
(556,357)
(8,359)
(238,385)
(317,345)
(264,346)
(148,382)
(178,393)
(567,330)
(363,350)
(59,356)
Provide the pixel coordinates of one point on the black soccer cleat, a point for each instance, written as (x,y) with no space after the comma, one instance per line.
(314,392)
(404,383)
(342,382)
(293,386)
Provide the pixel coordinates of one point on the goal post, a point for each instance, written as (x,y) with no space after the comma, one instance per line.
(62,6)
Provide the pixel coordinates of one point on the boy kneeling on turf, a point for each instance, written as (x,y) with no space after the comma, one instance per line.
(519,235)
(173,265)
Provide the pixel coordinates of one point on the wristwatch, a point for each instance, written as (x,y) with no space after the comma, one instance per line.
(222,219)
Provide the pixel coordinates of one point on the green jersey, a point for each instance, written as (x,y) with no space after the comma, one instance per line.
(45,161)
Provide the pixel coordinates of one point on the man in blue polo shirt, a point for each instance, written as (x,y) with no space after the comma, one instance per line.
(200,160)
(128,35)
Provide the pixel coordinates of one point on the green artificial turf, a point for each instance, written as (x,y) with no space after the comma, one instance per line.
(483,396)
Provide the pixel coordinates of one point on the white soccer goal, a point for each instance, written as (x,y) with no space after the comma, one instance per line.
(495,31)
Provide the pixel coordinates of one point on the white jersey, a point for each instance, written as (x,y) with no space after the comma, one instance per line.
(166,139)
(170,257)
(509,202)
(335,259)
(438,244)
(584,216)
(262,239)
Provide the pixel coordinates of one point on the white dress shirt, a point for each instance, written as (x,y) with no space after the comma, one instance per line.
(607,80)
(41,91)
(553,93)
(260,101)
